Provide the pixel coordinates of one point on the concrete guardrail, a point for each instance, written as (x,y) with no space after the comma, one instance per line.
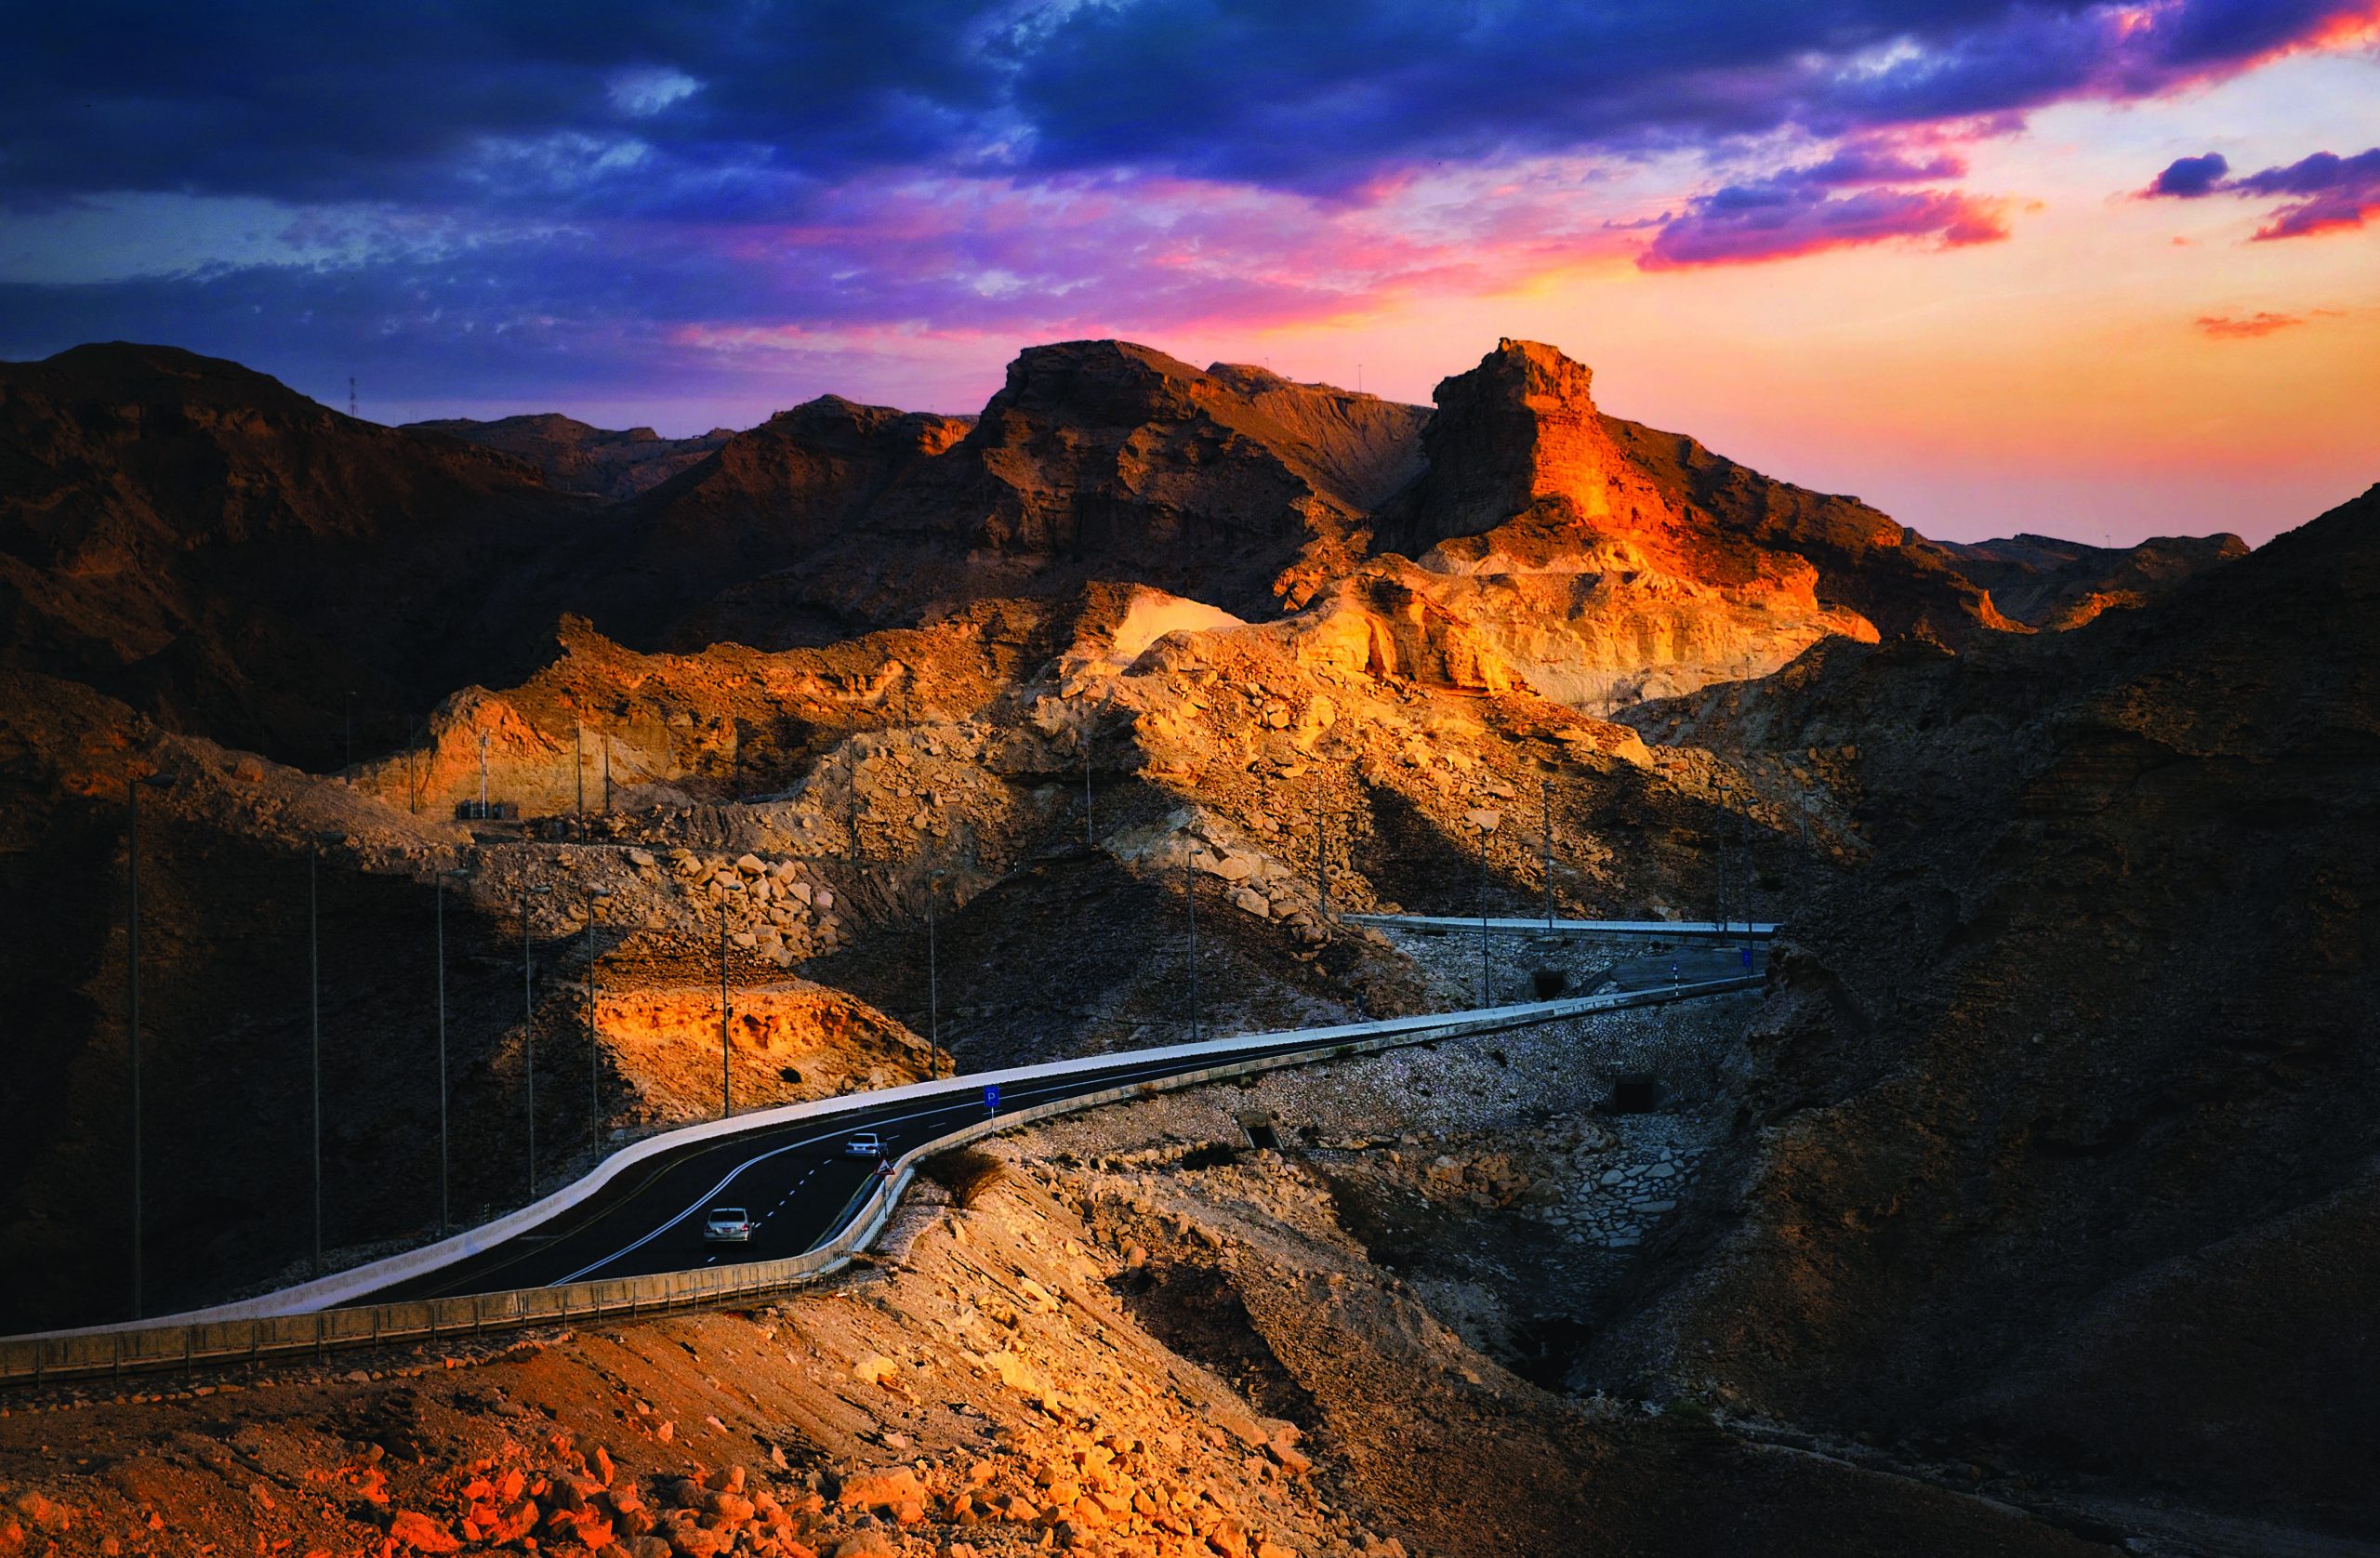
(305,1322)
(1579,929)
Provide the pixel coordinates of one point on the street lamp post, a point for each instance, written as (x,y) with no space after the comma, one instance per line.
(414,739)
(1322,862)
(1802,805)
(934,987)
(1190,902)
(443,1085)
(1743,832)
(578,776)
(314,1007)
(594,1058)
(529,1032)
(1719,841)
(1547,794)
(726,1076)
(1483,916)
(132,788)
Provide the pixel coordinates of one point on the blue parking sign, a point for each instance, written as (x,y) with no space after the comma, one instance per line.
(992,1098)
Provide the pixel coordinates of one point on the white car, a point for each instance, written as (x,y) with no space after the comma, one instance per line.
(863,1143)
(727,1225)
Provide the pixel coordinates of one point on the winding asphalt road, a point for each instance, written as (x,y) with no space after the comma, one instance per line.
(794,1180)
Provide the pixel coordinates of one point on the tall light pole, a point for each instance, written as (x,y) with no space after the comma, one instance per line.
(594,1057)
(315,1000)
(1802,803)
(443,1085)
(1322,861)
(1190,902)
(1743,835)
(414,739)
(1719,839)
(1090,834)
(132,788)
(529,1032)
(726,1076)
(934,987)
(578,774)
(1483,914)
(1546,792)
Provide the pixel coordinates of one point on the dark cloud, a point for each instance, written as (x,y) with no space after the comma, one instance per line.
(427,100)
(450,100)
(2188,178)
(1873,162)
(2324,193)
(1745,223)
(505,183)
(2331,193)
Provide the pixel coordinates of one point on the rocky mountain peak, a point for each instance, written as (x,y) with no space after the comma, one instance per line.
(1104,383)
(1518,430)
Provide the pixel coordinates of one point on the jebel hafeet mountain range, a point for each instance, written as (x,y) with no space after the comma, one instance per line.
(2024,1208)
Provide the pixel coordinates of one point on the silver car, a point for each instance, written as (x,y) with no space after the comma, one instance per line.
(727,1225)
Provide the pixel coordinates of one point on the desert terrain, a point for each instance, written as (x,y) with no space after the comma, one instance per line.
(2025,1207)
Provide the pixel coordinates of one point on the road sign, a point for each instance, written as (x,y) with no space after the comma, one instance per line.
(1747,957)
(992,1098)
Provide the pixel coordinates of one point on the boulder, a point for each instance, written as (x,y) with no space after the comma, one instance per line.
(416,1532)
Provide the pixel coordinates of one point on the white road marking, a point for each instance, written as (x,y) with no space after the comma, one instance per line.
(713,1196)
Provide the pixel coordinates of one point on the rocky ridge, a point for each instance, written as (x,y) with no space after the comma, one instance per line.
(594,462)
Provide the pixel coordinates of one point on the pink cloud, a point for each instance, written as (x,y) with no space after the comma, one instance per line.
(2226,327)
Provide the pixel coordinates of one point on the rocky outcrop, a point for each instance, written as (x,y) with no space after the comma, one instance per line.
(187,534)
(2075,1073)
(1545,539)
(1519,437)
(1101,457)
(707,557)
(219,551)
(593,462)
(2044,582)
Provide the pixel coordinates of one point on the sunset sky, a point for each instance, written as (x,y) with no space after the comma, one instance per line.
(2094,269)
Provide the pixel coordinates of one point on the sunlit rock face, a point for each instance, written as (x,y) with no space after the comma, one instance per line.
(1548,555)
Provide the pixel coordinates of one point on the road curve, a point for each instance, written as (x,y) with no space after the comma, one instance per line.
(798,1184)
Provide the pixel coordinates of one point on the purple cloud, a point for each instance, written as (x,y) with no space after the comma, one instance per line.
(2324,193)
(747,104)
(1875,163)
(2333,193)
(582,186)
(1747,223)
(2189,178)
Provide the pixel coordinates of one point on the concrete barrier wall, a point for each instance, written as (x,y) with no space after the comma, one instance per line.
(1581,930)
(264,1327)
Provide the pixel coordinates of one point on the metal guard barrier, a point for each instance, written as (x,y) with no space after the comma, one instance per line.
(116,1351)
